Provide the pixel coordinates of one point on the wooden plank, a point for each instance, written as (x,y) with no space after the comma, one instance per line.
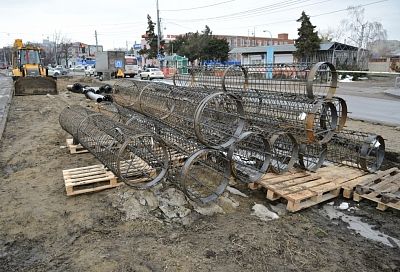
(90,190)
(348,187)
(278,178)
(391,196)
(253,186)
(385,183)
(106,177)
(86,174)
(75,149)
(294,206)
(288,173)
(299,196)
(84,168)
(88,179)
(304,189)
(85,178)
(378,175)
(374,196)
(323,188)
(292,183)
(271,195)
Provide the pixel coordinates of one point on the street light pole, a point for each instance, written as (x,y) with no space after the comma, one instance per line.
(270,34)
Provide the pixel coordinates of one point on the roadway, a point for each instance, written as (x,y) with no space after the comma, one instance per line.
(386,111)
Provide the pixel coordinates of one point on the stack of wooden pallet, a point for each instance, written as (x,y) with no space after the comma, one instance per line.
(302,189)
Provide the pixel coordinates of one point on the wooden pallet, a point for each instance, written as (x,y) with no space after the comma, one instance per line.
(382,188)
(75,149)
(133,170)
(303,189)
(88,179)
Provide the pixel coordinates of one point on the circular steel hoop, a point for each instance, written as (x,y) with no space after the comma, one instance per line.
(321,122)
(284,151)
(311,92)
(186,80)
(205,175)
(372,153)
(145,106)
(225,101)
(234,70)
(312,156)
(251,156)
(136,172)
(341,108)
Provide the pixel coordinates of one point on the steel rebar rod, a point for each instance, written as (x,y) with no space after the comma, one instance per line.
(354,148)
(216,118)
(130,153)
(186,156)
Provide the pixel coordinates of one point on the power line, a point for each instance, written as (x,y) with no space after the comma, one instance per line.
(185,9)
(321,14)
(250,12)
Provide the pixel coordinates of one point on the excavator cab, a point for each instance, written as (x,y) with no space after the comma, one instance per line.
(30,77)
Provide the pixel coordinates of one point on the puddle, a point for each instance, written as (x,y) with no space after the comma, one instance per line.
(364,229)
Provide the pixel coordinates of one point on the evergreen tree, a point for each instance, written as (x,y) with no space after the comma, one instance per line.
(200,46)
(151,39)
(308,42)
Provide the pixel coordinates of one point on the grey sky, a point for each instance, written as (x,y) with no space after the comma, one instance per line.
(123,21)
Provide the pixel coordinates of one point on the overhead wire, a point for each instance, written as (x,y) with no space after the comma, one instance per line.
(247,13)
(195,8)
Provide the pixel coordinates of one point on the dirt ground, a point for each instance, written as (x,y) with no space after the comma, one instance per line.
(41,229)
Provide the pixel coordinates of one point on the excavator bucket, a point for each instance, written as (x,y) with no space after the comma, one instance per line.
(35,85)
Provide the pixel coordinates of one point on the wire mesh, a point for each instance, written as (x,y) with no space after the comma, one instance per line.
(139,158)
(186,156)
(307,119)
(312,156)
(354,148)
(215,118)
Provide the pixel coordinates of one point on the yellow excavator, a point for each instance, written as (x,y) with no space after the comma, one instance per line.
(30,77)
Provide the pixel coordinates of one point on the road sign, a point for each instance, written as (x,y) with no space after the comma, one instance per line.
(160,57)
(118,64)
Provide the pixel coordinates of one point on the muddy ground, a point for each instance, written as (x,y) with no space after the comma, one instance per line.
(41,229)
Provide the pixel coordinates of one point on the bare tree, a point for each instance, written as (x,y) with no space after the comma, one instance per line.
(56,42)
(359,32)
(64,50)
(328,35)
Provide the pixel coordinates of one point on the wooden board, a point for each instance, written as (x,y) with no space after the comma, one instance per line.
(350,186)
(88,179)
(382,188)
(75,149)
(303,189)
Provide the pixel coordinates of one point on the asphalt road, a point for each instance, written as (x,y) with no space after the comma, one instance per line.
(6,89)
(374,109)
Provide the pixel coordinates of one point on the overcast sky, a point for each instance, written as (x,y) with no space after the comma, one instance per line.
(120,22)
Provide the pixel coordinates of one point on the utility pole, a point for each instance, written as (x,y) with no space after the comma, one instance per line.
(55,48)
(97,45)
(159,36)
(254,36)
(158,30)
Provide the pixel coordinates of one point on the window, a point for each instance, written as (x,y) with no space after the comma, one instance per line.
(29,57)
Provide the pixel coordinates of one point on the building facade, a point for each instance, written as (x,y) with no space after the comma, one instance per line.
(341,55)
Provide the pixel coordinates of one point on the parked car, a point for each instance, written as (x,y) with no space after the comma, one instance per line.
(90,71)
(53,72)
(151,73)
(78,68)
(62,70)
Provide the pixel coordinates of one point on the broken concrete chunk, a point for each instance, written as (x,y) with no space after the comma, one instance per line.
(263,213)
(235,191)
(207,209)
